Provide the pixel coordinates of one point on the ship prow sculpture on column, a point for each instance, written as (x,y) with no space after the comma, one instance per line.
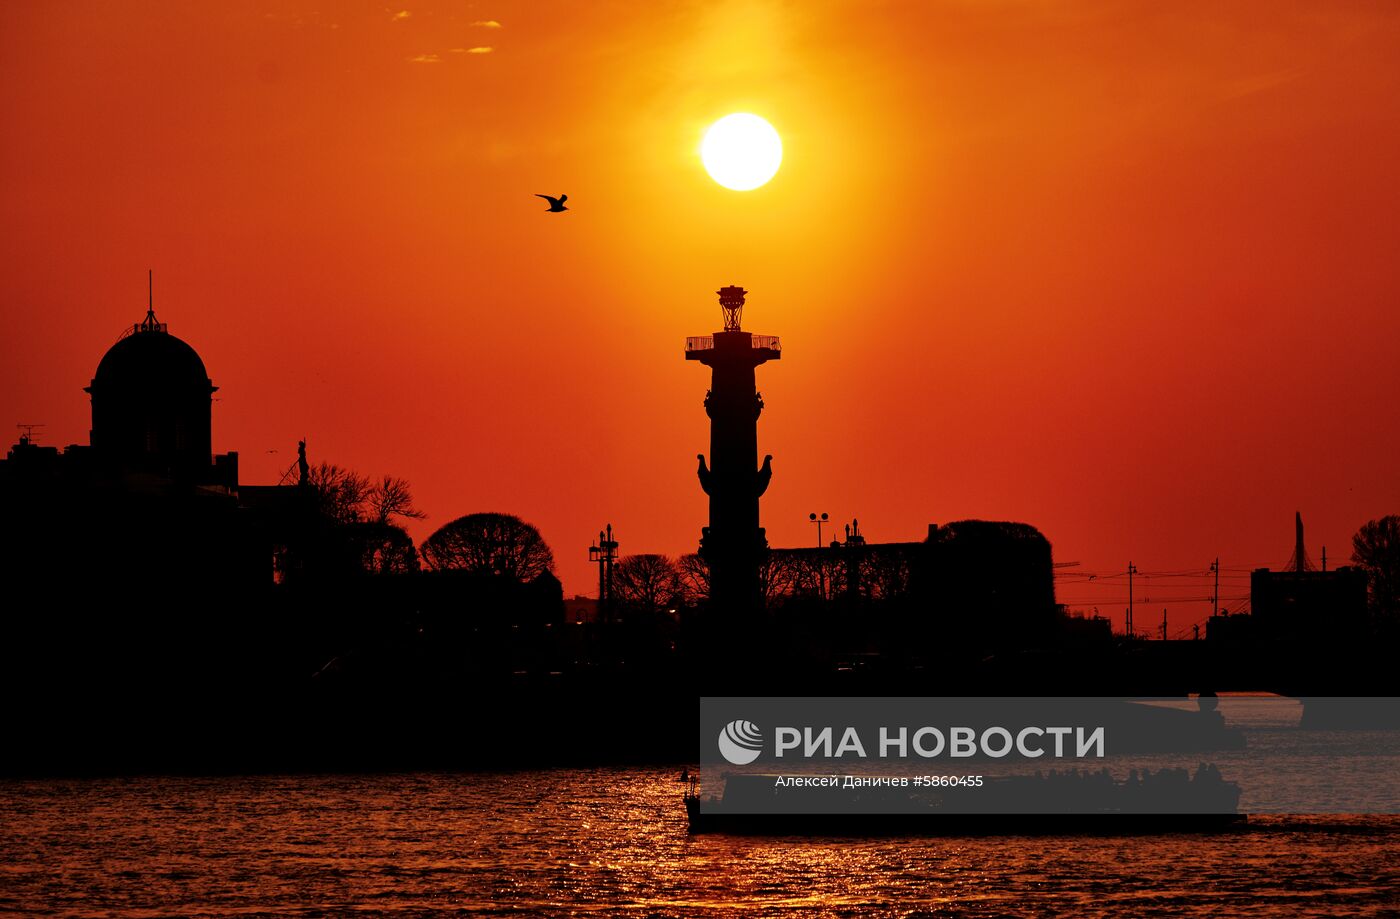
(733,546)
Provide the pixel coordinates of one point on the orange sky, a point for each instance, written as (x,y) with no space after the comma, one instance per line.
(1124,271)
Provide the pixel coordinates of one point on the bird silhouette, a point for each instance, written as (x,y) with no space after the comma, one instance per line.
(555,204)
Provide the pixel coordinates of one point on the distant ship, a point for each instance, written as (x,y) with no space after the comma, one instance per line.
(1165,801)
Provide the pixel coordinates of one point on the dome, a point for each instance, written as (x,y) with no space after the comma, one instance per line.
(151,405)
(151,357)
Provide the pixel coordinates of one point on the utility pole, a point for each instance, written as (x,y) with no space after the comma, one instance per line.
(1132,570)
(1324,558)
(1215,595)
(1164,625)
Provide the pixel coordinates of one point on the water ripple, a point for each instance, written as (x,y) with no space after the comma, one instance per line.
(613,842)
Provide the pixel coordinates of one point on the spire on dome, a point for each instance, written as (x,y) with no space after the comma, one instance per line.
(150,323)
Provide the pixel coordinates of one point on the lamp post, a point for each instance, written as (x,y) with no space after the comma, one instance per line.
(818,521)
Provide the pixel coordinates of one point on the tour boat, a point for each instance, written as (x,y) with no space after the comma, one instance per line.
(1167,800)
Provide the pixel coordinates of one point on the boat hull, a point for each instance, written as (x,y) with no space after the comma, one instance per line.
(954,824)
(960,824)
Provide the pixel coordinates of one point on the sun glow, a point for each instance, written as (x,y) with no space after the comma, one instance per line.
(741,151)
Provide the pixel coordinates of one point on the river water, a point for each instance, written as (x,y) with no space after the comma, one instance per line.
(613,842)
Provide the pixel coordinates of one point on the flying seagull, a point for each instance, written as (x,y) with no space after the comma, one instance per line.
(555,204)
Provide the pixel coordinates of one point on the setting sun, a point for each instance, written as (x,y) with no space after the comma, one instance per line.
(741,151)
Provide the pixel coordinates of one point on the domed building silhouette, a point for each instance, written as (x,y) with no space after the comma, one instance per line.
(152,403)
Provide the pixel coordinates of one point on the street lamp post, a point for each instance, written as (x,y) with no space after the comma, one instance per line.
(818,521)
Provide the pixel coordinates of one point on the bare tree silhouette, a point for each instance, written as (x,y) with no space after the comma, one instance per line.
(883,575)
(646,583)
(820,574)
(384,548)
(693,575)
(778,573)
(346,496)
(340,493)
(391,498)
(1376,549)
(497,544)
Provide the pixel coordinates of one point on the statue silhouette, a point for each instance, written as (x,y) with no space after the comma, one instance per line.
(765,474)
(303,468)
